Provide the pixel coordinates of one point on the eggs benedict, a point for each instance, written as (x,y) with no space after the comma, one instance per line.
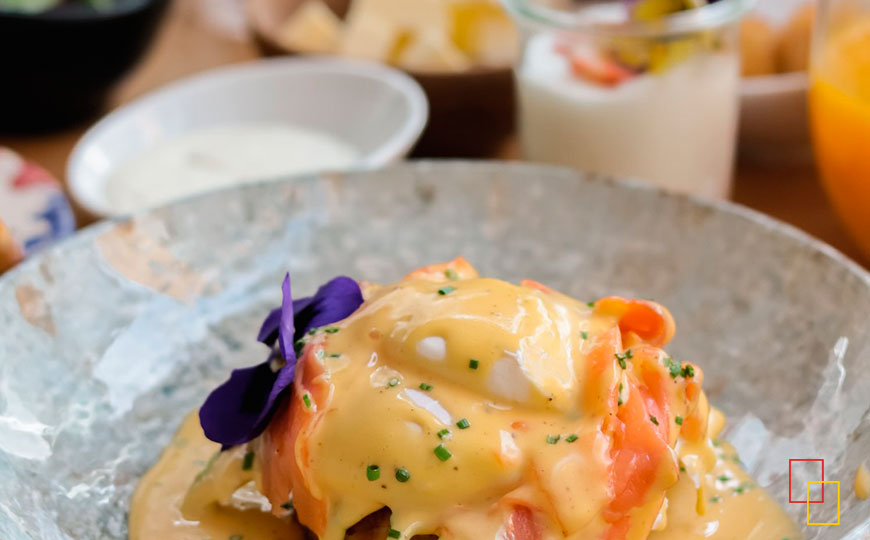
(453,406)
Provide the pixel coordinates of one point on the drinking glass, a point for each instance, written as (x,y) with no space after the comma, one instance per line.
(839,99)
(642,96)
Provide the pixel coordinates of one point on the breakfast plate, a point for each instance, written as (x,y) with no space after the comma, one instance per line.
(467,76)
(110,339)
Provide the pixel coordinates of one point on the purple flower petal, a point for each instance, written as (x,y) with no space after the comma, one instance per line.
(334,301)
(240,409)
(285,325)
(231,413)
(269,329)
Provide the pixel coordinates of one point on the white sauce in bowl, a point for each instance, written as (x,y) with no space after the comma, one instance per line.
(221,156)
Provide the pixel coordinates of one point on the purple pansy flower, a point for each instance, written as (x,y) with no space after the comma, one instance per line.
(240,409)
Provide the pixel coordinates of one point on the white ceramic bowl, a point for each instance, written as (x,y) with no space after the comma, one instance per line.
(376,109)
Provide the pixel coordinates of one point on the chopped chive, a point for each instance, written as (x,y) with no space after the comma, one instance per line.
(717,443)
(335,355)
(723,478)
(590,304)
(553,439)
(619,402)
(373,472)
(682,468)
(442,453)
(743,487)
(312,331)
(393,382)
(621,359)
(473,364)
(443,291)
(688,371)
(330,330)
(248,461)
(236,537)
(425,386)
(584,335)
(463,424)
(402,474)
(451,274)
(307,400)
(571,438)
(715,499)
(678,420)
(673,367)
(393,533)
(653,419)
(444,434)
(287,505)
(629,354)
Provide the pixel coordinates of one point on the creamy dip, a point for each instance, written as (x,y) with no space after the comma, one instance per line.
(675,128)
(221,156)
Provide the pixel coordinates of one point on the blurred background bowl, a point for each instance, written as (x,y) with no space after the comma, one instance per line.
(773,115)
(59,65)
(472,112)
(775,48)
(378,110)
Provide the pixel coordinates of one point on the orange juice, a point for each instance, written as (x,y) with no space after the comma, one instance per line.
(840,121)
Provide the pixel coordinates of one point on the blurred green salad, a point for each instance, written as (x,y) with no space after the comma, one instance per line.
(39,6)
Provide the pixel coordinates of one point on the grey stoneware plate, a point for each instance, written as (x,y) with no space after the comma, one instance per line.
(110,338)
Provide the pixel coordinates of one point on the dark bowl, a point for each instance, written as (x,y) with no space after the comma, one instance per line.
(58,66)
(471,113)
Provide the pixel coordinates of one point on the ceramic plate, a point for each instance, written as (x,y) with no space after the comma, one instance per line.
(32,204)
(109,339)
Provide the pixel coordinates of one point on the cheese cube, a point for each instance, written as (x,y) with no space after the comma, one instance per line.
(485,32)
(370,37)
(415,16)
(430,51)
(311,28)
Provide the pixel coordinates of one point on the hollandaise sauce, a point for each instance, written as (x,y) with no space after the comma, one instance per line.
(472,409)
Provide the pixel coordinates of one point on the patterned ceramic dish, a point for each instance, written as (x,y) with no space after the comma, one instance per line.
(32,207)
(111,338)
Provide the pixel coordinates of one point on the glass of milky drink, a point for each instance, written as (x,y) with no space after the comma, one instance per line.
(646,89)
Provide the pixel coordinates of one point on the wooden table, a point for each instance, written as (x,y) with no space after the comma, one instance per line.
(200,34)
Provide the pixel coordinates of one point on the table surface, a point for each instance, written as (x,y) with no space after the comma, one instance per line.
(213,32)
